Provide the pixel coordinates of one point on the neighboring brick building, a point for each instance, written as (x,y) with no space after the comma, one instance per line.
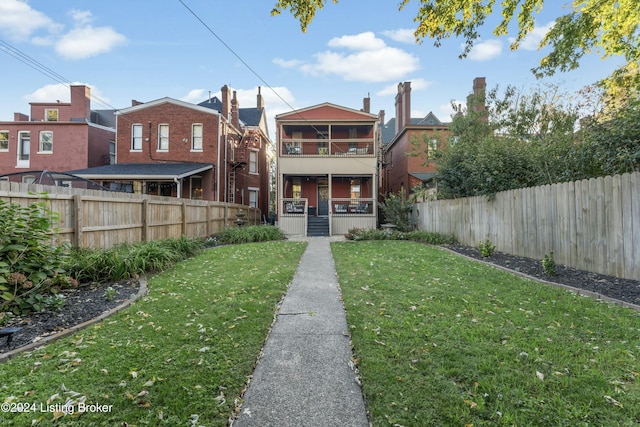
(174,148)
(58,136)
(409,143)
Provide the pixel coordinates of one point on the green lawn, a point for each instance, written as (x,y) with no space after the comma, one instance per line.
(445,341)
(181,354)
(439,340)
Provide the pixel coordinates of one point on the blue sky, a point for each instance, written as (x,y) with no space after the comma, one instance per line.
(146,50)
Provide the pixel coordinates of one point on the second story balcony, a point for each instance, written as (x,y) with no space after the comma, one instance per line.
(328,147)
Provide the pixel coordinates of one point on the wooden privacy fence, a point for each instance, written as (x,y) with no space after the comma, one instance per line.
(592,225)
(101,219)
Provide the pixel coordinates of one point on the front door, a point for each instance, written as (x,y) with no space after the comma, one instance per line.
(323,200)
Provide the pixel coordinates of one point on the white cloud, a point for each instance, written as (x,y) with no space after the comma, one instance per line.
(363,41)
(416,85)
(403,35)
(533,39)
(61,92)
(88,41)
(19,21)
(284,63)
(195,96)
(486,50)
(368,59)
(81,17)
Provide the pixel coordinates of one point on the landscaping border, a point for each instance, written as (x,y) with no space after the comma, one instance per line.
(49,339)
(578,291)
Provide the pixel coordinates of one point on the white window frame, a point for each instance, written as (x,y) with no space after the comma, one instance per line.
(23,158)
(253,196)
(51,115)
(163,137)
(253,162)
(41,141)
(196,140)
(136,140)
(5,141)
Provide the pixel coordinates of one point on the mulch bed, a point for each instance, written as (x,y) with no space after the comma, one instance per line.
(82,304)
(613,287)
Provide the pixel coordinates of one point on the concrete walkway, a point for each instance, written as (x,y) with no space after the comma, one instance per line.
(304,376)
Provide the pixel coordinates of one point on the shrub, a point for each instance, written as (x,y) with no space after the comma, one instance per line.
(128,261)
(417,236)
(549,264)
(28,261)
(249,234)
(397,210)
(486,248)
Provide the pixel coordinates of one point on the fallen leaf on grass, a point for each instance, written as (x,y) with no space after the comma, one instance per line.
(540,375)
(614,402)
(471,403)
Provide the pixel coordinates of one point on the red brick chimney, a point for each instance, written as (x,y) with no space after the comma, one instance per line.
(226,102)
(476,101)
(366,105)
(235,118)
(260,103)
(403,106)
(80,102)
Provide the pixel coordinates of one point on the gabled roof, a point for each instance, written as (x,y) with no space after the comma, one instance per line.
(326,111)
(143,171)
(389,129)
(165,100)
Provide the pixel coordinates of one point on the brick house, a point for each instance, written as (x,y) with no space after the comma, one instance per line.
(58,136)
(169,147)
(327,175)
(410,144)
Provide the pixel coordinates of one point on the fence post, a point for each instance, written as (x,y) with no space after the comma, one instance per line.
(208,219)
(77,224)
(145,220)
(184,218)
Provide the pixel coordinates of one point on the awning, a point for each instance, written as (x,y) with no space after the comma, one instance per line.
(143,171)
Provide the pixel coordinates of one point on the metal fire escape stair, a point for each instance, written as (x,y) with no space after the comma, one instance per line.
(238,161)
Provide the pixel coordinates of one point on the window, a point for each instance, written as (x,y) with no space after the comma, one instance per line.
(46,141)
(253,197)
(296,188)
(4,140)
(163,137)
(136,137)
(51,114)
(196,137)
(253,161)
(355,189)
(196,187)
(112,152)
(24,145)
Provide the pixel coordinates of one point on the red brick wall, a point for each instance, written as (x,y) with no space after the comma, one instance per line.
(180,120)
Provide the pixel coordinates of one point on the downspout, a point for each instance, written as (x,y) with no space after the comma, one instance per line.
(178,186)
(219,154)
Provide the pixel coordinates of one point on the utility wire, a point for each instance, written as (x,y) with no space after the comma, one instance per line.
(195,15)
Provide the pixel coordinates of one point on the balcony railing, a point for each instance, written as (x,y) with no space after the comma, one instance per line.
(359,206)
(328,147)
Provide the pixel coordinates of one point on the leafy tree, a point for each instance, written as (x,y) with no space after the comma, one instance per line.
(610,27)
(519,140)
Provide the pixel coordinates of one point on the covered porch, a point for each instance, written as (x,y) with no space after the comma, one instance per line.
(346,201)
